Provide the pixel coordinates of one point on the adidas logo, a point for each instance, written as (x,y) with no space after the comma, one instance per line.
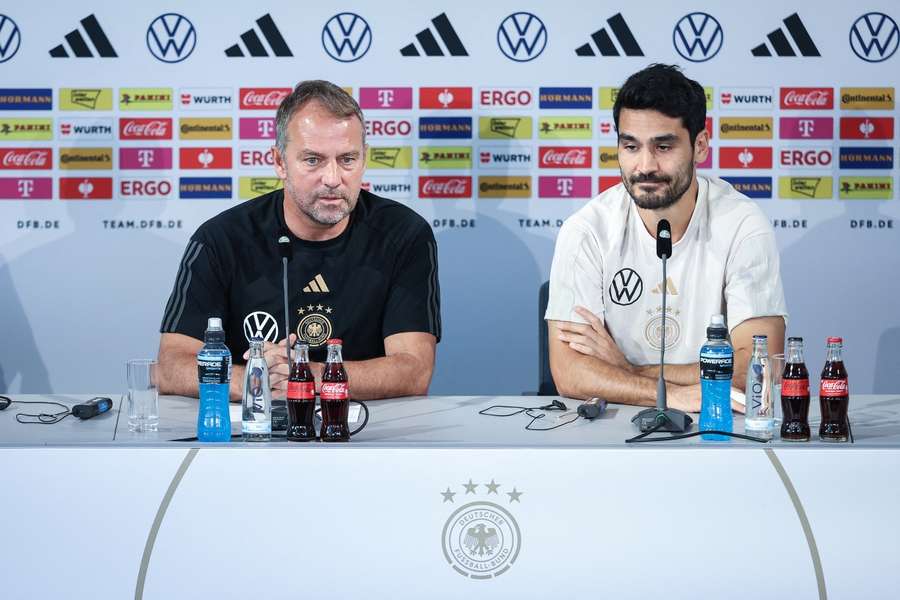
(605,44)
(255,46)
(670,288)
(797,32)
(79,46)
(430,44)
(317,285)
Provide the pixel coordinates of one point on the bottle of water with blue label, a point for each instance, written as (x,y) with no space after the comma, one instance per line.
(716,369)
(214,371)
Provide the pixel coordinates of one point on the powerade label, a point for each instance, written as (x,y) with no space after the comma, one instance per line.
(214,371)
(716,366)
(301,390)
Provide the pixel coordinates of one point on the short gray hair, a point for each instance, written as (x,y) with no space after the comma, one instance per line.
(335,100)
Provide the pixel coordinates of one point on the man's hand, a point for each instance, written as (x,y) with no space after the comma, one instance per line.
(592,339)
(276,360)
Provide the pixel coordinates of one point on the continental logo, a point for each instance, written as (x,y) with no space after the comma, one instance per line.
(204,129)
(504,187)
(734,128)
(565,128)
(805,188)
(394,157)
(866,188)
(607,97)
(85,158)
(145,98)
(504,128)
(85,99)
(26,129)
(872,98)
(445,157)
(251,187)
(609,157)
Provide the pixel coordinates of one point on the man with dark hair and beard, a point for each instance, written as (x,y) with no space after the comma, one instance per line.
(604,314)
(362,268)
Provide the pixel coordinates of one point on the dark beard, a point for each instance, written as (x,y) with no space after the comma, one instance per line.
(674,188)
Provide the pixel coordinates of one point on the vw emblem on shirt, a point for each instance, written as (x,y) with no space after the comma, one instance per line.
(698,36)
(346,37)
(626,287)
(522,36)
(171,38)
(262,324)
(874,37)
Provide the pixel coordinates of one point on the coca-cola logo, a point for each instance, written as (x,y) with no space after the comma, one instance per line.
(146,129)
(445,187)
(556,156)
(334,390)
(833,387)
(263,97)
(808,98)
(24,158)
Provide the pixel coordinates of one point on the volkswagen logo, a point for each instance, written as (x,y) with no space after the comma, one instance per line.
(10,38)
(171,38)
(261,324)
(626,287)
(698,37)
(522,36)
(346,37)
(874,37)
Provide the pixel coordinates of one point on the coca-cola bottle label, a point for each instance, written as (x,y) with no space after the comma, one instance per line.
(335,391)
(301,390)
(795,387)
(833,388)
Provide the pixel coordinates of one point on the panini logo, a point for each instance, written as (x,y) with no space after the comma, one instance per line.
(504,157)
(399,157)
(204,129)
(445,97)
(561,97)
(85,99)
(491,186)
(85,158)
(26,99)
(205,98)
(22,159)
(805,188)
(390,187)
(866,188)
(609,157)
(445,127)
(204,187)
(505,97)
(741,98)
(731,128)
(26,129)
(752,187)
(504,128)
(867,98)
(565,128)
(607,97)
(857,157)
(86,129)
(445,157)
(251,187)
(145,99)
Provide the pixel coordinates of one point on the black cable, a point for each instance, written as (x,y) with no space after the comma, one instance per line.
(39,418)
(639,438)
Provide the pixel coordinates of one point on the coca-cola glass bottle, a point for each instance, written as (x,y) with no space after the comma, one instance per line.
(834,395)
(335,396)
(301,398)
(795,394)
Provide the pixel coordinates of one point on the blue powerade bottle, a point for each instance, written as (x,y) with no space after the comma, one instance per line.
(716,369)
(214,372)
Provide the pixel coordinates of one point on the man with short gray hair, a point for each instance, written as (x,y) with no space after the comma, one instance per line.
(363,268)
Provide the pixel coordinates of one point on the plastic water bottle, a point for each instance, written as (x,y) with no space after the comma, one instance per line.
(214,371)
(256,421)
(716,369)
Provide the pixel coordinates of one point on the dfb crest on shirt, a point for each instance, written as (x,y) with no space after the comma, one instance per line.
(315,324)
(262,324)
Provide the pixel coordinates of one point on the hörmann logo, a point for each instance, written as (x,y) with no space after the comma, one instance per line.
(26,99)
(752,187)
(562,97)
(204,187)
(745,128)
(858,157)
(445,127)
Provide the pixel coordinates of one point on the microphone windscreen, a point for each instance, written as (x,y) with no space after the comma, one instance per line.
(663,239)
(284,246)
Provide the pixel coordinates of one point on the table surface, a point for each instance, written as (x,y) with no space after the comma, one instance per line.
(433,421)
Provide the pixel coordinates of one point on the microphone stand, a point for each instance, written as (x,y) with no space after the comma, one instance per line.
(279,407)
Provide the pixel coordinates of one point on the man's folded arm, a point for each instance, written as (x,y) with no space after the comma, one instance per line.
(405,370)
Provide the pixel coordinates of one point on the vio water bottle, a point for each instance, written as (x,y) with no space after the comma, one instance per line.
(214,372)
(716,369)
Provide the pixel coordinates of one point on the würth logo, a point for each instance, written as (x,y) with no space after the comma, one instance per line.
(430,44)
(255,46)
(317,285)
(779,41)
(604,42)
(79,46)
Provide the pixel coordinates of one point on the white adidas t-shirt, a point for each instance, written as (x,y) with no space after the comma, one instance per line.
(726,263)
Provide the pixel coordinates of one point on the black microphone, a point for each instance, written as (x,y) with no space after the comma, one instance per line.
(279,407)
(663,239)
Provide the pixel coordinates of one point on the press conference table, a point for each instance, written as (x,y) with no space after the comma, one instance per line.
(434,500)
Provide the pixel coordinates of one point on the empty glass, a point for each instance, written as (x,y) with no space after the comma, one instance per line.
(776,366)
(143,395)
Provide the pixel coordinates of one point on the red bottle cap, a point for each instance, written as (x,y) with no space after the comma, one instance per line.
(835,340)
(335,342)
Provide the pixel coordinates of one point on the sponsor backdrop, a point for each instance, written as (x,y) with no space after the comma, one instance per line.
(124,127)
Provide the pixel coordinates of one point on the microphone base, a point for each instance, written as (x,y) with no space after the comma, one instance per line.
(674,421)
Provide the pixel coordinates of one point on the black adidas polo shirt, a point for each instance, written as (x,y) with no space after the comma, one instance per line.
(378,278)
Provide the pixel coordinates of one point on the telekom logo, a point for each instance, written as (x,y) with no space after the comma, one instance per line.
(807,127)
(146,157)
(564,185)
(385,98)
(25,187)
(265,127)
